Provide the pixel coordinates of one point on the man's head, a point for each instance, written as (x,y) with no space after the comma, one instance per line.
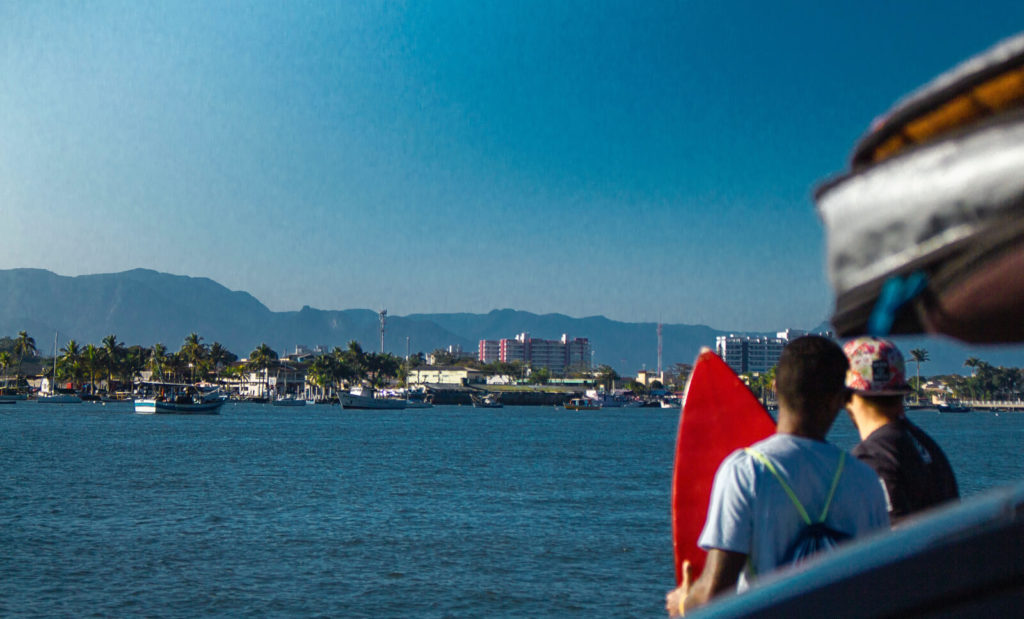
(809,381)
(877,378)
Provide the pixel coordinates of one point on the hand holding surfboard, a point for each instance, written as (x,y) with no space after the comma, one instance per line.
(719,415)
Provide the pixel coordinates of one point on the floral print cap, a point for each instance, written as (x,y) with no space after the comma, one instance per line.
(876,367)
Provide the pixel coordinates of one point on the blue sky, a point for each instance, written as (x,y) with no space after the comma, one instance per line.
(642,160)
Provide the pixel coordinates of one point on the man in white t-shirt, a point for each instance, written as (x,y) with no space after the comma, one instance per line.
(752,521)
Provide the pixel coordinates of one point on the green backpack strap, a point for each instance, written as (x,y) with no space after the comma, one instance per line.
(789,491)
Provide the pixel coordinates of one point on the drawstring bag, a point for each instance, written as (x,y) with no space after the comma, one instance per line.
(816,536)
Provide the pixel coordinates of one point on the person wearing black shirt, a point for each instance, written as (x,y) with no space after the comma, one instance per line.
(914,470)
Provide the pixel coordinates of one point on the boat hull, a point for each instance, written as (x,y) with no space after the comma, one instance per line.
(150,407)
(349,400)
(59,399)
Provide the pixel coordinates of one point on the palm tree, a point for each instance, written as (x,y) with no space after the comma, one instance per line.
(24,346)
(194,351)
(321,373)
(919,355)
(113,356)
(71,360)
(263,358)
(91,357)
(5,362)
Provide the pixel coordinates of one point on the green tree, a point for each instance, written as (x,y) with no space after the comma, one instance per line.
(113,358)
(5,362)
(220,357)
(321,373)
(606,377)
(91,359)
(261,360)
(24,346)
(540,376)
(919,355)
(134,363)
(70,362)
(195,353)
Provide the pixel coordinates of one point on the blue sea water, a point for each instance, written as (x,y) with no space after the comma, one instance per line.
(319,512)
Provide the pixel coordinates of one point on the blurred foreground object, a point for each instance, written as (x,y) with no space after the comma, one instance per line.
(925,233)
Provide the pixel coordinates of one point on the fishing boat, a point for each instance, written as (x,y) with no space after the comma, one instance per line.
(360,398)
(180,399)
(582,404)
(489,400)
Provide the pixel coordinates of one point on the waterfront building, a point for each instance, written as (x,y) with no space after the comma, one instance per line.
(488,351)
(556,356)
(745,354)
(443,375)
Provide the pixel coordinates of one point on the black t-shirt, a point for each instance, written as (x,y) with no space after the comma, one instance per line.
(915,471)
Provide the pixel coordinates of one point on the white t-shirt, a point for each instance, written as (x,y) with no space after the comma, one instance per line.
(751,513)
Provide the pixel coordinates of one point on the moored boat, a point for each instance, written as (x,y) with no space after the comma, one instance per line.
(58,398)
(180,399)
(489,400)
(289,401)
(359,398)
(952,406)
(582,404)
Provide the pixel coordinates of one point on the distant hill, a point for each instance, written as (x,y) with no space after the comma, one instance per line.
(145,307)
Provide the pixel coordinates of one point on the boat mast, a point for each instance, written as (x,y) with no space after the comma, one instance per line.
(53,379)
(383,319)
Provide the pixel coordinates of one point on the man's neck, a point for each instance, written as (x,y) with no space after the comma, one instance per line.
(791,424)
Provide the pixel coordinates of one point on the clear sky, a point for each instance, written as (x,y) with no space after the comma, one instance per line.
(642,160)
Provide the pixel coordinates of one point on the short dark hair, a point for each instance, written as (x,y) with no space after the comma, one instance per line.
(811,370)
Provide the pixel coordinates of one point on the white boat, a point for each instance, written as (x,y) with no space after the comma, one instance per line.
(582,404)
(178,399)
(359,398)
(672,402)
(288,401)
(612,400)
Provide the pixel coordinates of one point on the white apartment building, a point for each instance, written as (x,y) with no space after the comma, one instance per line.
(555,355)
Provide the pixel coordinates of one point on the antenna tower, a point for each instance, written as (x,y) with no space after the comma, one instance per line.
(383,319)
(659,350)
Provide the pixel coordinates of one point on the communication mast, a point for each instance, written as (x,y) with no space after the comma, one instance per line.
(659,351)
(383,319)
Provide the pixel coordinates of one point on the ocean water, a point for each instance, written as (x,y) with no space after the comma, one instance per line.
(319,512)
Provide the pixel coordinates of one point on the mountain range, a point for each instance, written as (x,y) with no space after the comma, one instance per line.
(145,307)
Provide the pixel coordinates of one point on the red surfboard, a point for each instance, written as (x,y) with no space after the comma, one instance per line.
(719,415)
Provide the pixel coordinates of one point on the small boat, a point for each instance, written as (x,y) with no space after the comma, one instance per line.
(952,406)
(59,398)
(10,395)
(672,402)
(416,399)
(613,400)
(582,404)
(289,401)
(489,400)
(180,399)
(359,398)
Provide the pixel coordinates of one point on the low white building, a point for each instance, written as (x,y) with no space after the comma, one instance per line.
(443,375)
